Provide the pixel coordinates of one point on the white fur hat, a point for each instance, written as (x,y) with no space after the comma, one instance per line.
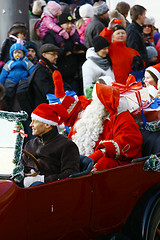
(86,11)
(37,7)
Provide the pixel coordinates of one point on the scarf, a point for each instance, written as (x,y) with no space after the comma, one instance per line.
(103,63)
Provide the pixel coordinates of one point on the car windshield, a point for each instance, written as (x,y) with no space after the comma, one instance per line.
(12,136)
(7,146)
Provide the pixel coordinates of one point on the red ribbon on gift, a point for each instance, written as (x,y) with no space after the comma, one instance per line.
(22,133)
(144,105)
(131,85)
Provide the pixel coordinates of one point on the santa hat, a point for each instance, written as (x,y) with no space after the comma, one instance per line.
(50,114)
(155,69)
(86,11)
(53,7)
(73,107)
(109,96)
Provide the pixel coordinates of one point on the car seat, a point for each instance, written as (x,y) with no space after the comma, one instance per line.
(86,165)
(151,144)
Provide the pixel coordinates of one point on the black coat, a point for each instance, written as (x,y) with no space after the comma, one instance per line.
(41,82)
(58,155)
(93,29)
(135,39)
(4,52)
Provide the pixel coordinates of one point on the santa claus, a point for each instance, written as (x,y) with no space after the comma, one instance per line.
(104,131)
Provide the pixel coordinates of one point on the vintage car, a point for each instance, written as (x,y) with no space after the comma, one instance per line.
(119,203)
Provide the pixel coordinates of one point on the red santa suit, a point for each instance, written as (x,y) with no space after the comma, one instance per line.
(117,140)
(101,130)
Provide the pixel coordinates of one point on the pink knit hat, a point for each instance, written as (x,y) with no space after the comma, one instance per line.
(53,7)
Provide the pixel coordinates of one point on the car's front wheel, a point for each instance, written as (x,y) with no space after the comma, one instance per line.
(154,227)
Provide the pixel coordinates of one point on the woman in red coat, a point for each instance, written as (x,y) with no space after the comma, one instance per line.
(124,59)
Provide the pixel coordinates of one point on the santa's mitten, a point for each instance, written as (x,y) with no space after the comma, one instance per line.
(64,34)
(96,155)
(58,83)
(73,30)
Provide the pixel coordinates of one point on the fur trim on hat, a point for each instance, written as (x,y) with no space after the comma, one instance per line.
(155,69)
(86,11)
(100,8)
(50,114)
(36,117)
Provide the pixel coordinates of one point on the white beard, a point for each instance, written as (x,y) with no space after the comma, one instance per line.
(89,127)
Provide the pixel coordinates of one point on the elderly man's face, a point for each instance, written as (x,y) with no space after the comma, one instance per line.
(38,128)
(51,56)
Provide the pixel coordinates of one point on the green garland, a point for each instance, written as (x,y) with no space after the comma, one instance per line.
(152,163)
(150,126)
(18,117)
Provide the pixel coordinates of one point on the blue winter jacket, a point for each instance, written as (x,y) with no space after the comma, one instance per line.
(15,70)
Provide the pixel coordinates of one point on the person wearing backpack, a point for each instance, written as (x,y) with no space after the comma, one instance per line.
(15,71)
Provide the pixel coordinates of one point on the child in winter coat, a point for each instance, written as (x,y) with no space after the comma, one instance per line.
(16,69)
(86,14)
(49,19)
(17,33)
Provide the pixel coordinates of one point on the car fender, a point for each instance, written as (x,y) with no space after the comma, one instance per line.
(137,225)
(151,205)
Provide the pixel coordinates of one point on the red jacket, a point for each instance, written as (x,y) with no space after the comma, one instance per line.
(121,57)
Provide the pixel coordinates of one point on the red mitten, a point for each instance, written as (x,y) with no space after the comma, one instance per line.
(58,83)
(96,155)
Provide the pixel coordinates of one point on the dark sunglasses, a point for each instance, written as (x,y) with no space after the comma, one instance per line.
(148,25)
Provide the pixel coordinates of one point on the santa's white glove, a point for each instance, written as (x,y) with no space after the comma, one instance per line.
(29,180)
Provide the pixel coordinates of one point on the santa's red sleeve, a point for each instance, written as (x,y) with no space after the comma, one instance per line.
(124,141)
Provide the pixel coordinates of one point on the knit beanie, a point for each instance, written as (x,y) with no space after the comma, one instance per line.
(99,43)
(64,18)
(53,7)
(86,11)
(31,45)
(100,8)
(118,27)
(151,52)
